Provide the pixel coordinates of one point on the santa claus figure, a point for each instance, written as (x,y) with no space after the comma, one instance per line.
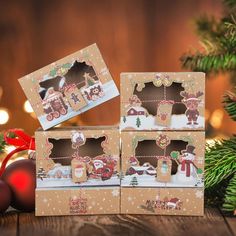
(187,170)
(98,167)
(101,168)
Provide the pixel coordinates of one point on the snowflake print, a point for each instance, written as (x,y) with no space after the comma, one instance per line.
(115,193)
(199,194)
(45,200)
(130,199)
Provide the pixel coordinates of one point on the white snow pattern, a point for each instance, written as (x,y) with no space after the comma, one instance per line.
(67,182)
(150,181)
(148,123)
(110,91)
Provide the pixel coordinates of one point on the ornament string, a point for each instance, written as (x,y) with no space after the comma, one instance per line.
(151,100)
(21,141)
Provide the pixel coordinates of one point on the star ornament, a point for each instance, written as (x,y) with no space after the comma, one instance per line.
(86,75)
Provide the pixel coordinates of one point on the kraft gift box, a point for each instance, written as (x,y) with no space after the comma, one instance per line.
(162,101)
(162,172)
(78,171)
(69,87)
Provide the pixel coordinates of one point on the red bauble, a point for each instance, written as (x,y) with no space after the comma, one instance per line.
(5,196)
(20,176)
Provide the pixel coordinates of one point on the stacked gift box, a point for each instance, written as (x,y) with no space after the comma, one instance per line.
(163,139)
(152,164)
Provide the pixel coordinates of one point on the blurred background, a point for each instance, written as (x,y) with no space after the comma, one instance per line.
(133,35)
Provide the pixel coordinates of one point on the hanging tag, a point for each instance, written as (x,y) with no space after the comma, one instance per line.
(164,112)
(164,170)
(79,171)
(74,97)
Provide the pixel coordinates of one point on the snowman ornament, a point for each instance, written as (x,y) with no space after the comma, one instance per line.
(187,169)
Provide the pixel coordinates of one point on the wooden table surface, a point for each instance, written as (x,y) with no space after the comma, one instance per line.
(212,224)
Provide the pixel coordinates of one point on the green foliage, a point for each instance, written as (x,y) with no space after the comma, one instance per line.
(209,63)
(218,38)
(220,167)
(231,4)
(3,144)
(138,122)
(220,161)
(230,195)
(229,102)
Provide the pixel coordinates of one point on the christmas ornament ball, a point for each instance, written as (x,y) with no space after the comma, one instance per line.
(5,196)
(20,177)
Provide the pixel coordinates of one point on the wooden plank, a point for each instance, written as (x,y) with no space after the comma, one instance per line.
(82,225)
(8,224)
(231,221)
(212,223)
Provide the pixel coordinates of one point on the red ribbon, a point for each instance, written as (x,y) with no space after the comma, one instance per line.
(21,141)
(187,164)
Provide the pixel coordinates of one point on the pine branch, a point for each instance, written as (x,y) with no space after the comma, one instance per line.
(214,196)
(219,41)
(220,162)
(210,33)
(209,63)
(2,143)
(217,37)
(230,196)
(231,4)
(229,101)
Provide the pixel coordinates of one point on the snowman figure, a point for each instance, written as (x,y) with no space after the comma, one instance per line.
(187,169)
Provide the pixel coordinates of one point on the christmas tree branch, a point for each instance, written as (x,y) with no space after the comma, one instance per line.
(220,174)
(2,143)
(220,162)
(229,102)
(230,195)
(209,63)
(231,4)
(218,37)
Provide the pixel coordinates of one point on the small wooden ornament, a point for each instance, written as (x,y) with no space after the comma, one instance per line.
(75,97)
(164,169)
(79,171)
